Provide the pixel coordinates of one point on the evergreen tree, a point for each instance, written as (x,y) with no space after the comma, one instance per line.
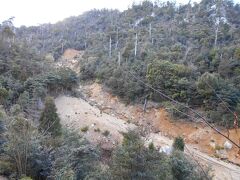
(178,144)
(49,120)
(133,160)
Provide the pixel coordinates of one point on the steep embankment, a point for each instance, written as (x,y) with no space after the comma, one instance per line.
(101,112)
(78,113)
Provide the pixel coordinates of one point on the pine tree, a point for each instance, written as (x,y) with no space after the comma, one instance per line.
(133,160)
(178,144)
(49,120)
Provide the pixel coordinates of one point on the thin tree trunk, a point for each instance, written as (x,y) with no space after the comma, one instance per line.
(62,47)
(216,37)
(116,46)
(150,31)
(145,105)
(186,53)
(110,47)
(136,44)
(119,58)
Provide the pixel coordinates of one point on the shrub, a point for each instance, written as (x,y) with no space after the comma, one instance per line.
(84,129)
(106,133)
(97,130)
(49,120)
(178,144)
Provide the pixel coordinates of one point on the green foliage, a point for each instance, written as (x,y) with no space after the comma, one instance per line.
(106,133)
(176,52)
(218,97)
(84,129)
(26,178)
(174,61)
(23,153)
(2,127)
(49,120)
(171,78)
(133,161)
(3,95)
(151,146)
(74,158)
(178,144)
(183,168)
(176,111)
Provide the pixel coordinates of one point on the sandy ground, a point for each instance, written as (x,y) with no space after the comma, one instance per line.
(78,114)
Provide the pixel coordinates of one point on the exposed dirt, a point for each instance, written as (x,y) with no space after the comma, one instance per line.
(109,113)
(3,178)
(71,59)
(77,113)
(196,135)
(71,54)
(80,115)
(157,119)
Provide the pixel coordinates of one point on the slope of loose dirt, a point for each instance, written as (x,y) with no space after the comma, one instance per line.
(196,135)
(78,114)
(221,170)
(157,119)
(110,114)
(71,59)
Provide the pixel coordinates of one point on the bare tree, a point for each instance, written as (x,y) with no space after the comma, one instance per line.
(110,46)
(136,44)
(119,58)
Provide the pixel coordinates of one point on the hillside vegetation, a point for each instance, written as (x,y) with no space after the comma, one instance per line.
(189,52)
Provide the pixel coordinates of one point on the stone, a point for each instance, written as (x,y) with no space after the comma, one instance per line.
(212,144)
(166,149)
(227,145)
(222,154)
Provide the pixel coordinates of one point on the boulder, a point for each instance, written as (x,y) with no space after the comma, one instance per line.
(212,144)
(222,154)
(227,145)
(166,149)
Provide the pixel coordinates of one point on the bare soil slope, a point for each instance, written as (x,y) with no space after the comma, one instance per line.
(89,120)
(109,114)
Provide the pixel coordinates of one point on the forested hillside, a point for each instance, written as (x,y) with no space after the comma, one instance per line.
(189,52)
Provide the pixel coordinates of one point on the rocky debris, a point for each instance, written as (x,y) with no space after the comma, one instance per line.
(227,145)
(166,149)
(222,154)
(212,144)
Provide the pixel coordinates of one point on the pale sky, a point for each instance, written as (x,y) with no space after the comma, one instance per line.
(34,12)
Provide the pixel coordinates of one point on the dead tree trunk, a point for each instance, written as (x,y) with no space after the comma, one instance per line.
(110,47)
(136,44)
(150,31)
(62,47)
(216,36)
(119,58)
(116,46)
(145,105)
